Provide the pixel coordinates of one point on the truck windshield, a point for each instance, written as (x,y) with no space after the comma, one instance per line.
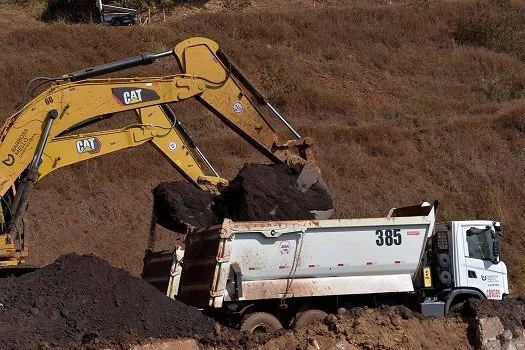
(481,243)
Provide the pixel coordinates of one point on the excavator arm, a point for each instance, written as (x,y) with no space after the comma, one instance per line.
(231,102)
(159,126)
(32,142)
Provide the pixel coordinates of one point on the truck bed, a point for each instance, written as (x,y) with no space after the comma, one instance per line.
(266,260)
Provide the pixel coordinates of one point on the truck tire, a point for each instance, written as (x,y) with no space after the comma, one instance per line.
(260,322)
(307,317)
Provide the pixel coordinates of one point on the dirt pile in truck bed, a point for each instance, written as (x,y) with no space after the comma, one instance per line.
(81,298)
(179,202)
(258,192)
(271,192)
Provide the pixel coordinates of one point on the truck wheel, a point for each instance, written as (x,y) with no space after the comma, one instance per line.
(307,317)
(260,322)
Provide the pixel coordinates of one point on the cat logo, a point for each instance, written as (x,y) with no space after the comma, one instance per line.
(133,95)
(91,145)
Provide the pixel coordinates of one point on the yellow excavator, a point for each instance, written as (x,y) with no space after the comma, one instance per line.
(39,138)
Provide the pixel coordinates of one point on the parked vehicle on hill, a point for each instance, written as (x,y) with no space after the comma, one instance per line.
(117,15)
(119,19)
(280,273)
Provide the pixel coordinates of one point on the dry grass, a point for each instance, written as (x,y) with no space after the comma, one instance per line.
(409,102)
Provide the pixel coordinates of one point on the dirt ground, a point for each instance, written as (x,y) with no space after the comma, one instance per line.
(378,329)
(81,302)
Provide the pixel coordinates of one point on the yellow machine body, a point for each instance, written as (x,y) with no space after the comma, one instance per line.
(38,139)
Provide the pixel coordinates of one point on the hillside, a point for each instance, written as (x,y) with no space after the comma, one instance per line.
(407,102)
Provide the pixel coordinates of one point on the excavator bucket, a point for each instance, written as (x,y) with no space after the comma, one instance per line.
(239,103)
(299,153)
(310,179)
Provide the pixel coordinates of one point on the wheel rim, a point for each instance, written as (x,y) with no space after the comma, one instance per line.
(261,328)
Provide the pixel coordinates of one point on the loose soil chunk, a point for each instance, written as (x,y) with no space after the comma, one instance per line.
(258,192)
(271,192)
(511,312)
(178,203)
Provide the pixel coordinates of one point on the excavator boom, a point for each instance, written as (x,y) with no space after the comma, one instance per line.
(37,139)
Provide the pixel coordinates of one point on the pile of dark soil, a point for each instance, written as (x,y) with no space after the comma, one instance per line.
(271,192)
(258,192)
(178,203)
(82,298)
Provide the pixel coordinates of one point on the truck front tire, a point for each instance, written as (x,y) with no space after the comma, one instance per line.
(260,322)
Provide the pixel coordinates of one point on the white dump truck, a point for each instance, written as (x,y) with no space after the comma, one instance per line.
(289,273)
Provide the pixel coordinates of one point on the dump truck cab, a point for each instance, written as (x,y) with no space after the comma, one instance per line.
(463,261)
(476,260)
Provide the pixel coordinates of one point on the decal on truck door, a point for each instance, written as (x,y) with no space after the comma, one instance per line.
(132,95)
(493,294)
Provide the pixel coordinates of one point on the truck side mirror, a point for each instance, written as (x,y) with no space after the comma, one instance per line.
(495,246)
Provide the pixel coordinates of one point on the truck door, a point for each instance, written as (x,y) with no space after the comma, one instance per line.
(484,271)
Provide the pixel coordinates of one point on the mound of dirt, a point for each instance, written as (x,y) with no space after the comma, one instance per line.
(179,202)
(511,312)
(258,192)
(82,298)
(386,327)
(271,192)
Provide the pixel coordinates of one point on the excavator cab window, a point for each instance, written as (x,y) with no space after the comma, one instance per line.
(5,206)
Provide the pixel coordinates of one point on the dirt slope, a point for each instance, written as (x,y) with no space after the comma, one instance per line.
(407,102)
